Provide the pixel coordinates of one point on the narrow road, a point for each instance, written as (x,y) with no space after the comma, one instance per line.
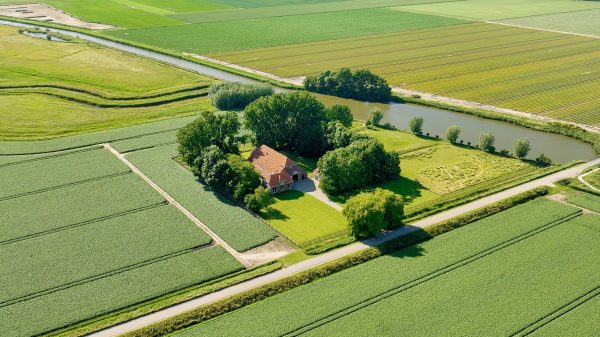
(338,253)
(586,183)
(177,205)
(310,187)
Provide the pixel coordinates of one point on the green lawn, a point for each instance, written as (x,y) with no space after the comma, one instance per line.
(302,218)
(593,179)
(504,273)
(66,88)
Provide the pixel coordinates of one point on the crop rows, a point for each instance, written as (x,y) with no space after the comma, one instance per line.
(75,205)
(533,71)
(274,31)
(229,221)
(108,245)
(144,142)
(54,172)
(282,314)
(585,200)
(87,300)
(88,139)
(535,272)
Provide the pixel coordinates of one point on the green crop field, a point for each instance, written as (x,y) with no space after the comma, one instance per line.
(487,63)
(580,22)
(303,218)
(494,277)
(276,31)
(85,237)
(500,9)
(64,88)
(585,200)
(593,179)
(232,223)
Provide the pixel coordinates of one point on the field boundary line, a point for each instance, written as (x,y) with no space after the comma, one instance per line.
(97,277)
(82,223)
(177,205)
(558,313)
(66,153)
(544,29)
(430,276)
(319,260)
(14,196)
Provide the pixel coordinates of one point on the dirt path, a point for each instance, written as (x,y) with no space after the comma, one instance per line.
(585,182)
(335,254)
(42,12)
(177,205)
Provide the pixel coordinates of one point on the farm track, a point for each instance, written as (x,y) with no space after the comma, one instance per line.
(238,256)
(573,305)
(447,269)
(333,255)
(83,149)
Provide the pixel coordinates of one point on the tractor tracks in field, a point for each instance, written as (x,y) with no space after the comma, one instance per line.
(428,277)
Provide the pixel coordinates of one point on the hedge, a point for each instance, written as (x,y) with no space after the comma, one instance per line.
(235,302)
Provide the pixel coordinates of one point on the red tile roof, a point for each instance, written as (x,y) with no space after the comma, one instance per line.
(271,165)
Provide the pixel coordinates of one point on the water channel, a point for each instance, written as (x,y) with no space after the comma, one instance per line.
(559,148)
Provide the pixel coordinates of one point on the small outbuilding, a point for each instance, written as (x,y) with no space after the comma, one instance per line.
(277,171)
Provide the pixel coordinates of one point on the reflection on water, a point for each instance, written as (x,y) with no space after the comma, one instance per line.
(558,148)
(42,36)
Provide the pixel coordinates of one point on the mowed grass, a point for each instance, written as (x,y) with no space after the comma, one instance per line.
(503,273)
(229,221)
(580,22)
(593,179)
(51,89)
(487,63)
(431,169)
(277,31)
(302,218)
(500,9)
(87,300)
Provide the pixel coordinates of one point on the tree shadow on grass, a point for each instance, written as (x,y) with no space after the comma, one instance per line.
(407,188)
(273,214)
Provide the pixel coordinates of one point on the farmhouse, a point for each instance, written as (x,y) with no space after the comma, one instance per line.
(277,171)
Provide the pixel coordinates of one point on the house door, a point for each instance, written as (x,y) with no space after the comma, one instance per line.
(295,176)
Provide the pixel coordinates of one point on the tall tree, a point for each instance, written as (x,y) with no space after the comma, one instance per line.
(486,142)
(370,213)
(522,147)
(415,125)
(452,133)
(339,113)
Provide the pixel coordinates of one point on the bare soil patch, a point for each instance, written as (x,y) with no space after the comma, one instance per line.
(46,13)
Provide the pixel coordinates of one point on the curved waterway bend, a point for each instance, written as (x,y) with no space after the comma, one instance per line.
(559,148)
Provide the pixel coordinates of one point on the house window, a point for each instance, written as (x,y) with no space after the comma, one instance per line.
(274,189)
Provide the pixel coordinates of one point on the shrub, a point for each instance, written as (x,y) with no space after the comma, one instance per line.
(543,160)
(363,162)
(339,113)
(522,147)
(370,213)
(375,117)
(260,199)
(236,95)
(362,85)
(452,133)
(486,142)
(415,125)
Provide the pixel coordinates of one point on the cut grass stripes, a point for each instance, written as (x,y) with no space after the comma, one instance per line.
(428,277)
